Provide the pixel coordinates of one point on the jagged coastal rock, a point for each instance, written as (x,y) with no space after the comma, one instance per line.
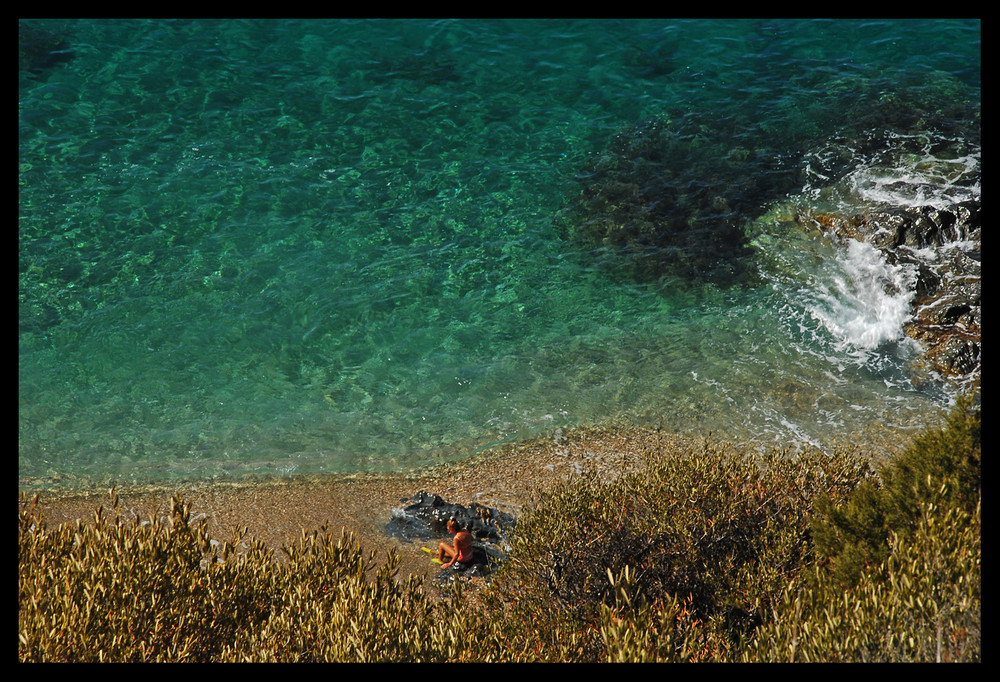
(945,247)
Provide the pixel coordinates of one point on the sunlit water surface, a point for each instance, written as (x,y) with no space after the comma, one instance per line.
(297,246)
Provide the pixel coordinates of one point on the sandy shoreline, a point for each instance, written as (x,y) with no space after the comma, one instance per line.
(509,477)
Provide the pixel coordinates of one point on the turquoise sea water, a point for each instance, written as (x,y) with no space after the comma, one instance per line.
(291,246)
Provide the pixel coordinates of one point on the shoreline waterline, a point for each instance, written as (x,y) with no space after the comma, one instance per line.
(510,477)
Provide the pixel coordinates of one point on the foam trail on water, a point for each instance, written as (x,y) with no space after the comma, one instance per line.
(912,171)
(919,185)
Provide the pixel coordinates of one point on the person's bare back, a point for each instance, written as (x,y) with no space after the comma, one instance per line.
(461,548)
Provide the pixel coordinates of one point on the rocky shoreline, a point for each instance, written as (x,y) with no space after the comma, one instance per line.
(945,248)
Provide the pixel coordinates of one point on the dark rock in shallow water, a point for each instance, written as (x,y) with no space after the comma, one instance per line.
(915,227)
(425,517)
(948,302)
(669,199)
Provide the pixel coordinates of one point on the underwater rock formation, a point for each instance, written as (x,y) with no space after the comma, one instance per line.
(670,200)
(40,48)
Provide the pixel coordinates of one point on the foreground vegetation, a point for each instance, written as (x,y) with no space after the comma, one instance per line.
(706,555)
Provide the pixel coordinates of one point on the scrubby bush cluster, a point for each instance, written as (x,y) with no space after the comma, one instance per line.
(899,575)
(712,554)
(681,561)
(923,603)
(114,591)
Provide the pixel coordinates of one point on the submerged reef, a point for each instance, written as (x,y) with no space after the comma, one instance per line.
(668,199)
(40,48)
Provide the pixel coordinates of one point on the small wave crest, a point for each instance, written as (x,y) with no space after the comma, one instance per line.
(862,300)
(908,171)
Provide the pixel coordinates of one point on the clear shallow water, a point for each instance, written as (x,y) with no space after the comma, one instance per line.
(289,246)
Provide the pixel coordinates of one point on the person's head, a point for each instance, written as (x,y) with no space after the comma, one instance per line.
(453,525)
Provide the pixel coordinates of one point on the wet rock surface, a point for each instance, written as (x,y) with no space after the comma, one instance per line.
(425,516)
(945,248)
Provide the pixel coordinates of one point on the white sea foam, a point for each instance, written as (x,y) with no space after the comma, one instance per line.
(862,300)
(924,184)
(853,294)
(913,171)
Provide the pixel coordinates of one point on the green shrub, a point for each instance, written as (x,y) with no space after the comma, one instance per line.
(854,535)
(704,540)
(330,608)
(899,575)
(115,591)
(160,591)
(923,604)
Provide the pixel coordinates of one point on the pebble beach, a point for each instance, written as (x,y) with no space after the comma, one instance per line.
(510,477)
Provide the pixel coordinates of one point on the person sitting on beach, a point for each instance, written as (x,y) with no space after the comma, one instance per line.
(460,550)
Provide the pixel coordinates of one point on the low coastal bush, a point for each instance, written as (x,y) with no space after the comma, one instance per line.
(112,591)
(853,536)
(899,575)
(161,591)
(707,554)
(681,561)
(735,584)
(922,604)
